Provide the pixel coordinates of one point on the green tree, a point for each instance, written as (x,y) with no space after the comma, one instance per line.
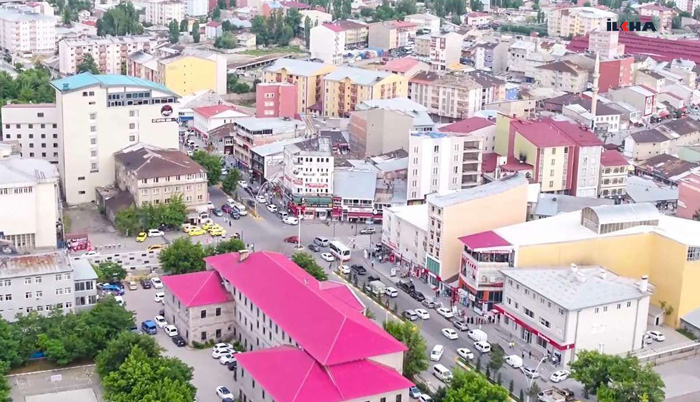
(415,360)
(184,24)
(496,358)
(173,31)
(120,21)
(696,13)
(293,20)
(469,386)
(230,181)
(477,5)
(10,346)
(533,390)
(456,19)
(195,32)
(308,263)
(66,16)
(182,256)
(109,271)
(128,221)
(226,41)
(221,4)
(4,389)
(226,26)
(119,348)
(307,32)
(210,163)
(88,65)
(259,28)
(216,14)
(229,246)
(241,88)
(285,36)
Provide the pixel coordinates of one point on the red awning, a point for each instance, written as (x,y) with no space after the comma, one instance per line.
(663,113)
(500,309)
(359,215)
(484,240)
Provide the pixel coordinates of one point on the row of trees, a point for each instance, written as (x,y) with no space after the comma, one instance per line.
(68,10)
(277,29)
(132,220)
(120,21)
(212,163)
(386,11)
(183,256)
(30,86)
(308,263)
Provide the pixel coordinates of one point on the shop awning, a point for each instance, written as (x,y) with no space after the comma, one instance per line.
(360,215)
(501,310)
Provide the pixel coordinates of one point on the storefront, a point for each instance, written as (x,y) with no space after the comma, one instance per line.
(311,207)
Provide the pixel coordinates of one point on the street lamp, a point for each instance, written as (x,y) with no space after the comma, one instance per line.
(531,379)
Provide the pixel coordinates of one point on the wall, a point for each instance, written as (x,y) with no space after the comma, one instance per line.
(190,74)
(47,284)
(387,131)
(44,130)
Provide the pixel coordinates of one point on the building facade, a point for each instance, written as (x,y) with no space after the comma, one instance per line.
(450,95)
(27,33)
(405,234)
(563,76)
(197,8)
(184,74)
(34,127)
(327,43)
(390,35)
(445,50)
(308,168)
(614,169)
(577,21)
(307,75)
(276,100)
(161,12)
(110,53)
(347,87)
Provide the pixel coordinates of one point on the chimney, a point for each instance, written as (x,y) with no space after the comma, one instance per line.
(242,255)
(644,284)
(574,268)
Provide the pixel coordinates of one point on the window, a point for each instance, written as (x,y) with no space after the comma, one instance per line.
(93,116)
(203,336)
(58,277)
(203,314)
(28,295)
(605,308)
(37,279)
(544,322)
(597,310)
(59,291)
(218,311)
(218,333)
(629,304)
(398,397)
(132,126)
(27,281)
(561,311)
(39,294)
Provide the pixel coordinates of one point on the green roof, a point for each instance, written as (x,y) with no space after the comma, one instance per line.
(85,80)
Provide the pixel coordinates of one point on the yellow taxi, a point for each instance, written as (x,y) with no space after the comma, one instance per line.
(196,231)
(217,232)
(215,226)
(155,247)
(208,226)
(141,237)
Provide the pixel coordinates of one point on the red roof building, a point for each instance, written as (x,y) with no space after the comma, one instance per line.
(467,125)
(657,48)
(207,118)
(405,66)
(197,288)
(611,158)
(688,196)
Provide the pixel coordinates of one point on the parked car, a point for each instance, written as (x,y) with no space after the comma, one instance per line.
(445,312)
(291,220)
(514,361)
(425,398)
(359,269)
(559,376)
(155,247)
(373,278)
(482,346)
(414,392)
(141,237)
(327,257)
(170,330)
(272,208)
(114,289)
(223,392)
(226,208)
(410,315)
(155,233)
(149,327)
(428,303)
(460,325)
(158,298)
(227,358)
(314,248)
(344,269)
(179,340)
(221,349)
(465,353)
(422,313)
(160,321)
(243,183)
(291,239)
(218,212)
(133,285)
(235,215)
(232,365)
(391,292)
(656,335)
(437,352)
(369,230)
(157,283)
(146,284)
(417,295)
(530,372)
(261,199)
(450,333)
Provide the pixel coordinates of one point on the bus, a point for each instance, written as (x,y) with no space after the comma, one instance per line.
(339,250)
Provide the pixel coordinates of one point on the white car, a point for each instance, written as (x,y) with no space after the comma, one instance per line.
(155,233)
(465,354)
(243,183)
(391,292)
(221,349)
(514,361)
(90,254)
(449,333)
(240,208)
(224,171)
(157,283)
(160,321)
(327,257)
(656,335)
(559,376)
(159,297)
(424,398)
(223,393)
(291,220)
(422,313)
(170,330)
(230,202)
(482,346)
(345,270)
(530,372)
(445,312)
(261,199)
(272,208)
(227,358)
(436,353)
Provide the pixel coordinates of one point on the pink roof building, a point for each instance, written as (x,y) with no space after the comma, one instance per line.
(688,196)
(468,125)
(405,66)
(207,118)
(197,288)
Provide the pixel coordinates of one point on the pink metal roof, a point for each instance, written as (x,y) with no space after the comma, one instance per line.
(488,162)
(401,65)
(334,27)
(291,375)
(580,135)
(213,24)
(330,329)
(210,111)
(612,157)
(197,288)
(467,125)
(484,240)
(342,294)
(541,134)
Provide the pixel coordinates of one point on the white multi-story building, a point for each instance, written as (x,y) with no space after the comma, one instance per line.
(308,167)
(161,12)
(456,96)
(426,22)
(25,32)
(577,21)
(102,114)
(605,43)
(328,43)
(517,53)
(29,203)
(34,127)
(445,50)
(405,232)
(197,8)
(110,53)
(562,311)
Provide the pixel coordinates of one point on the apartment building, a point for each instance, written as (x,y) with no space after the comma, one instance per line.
(347,87)
(477,19)
(38,282)
(492,88)
(250,132)
(390,35)
(605,43)
(154,176)
(208,118)
(561,311)
(405,66)
(85,280)
(518,52)
(161,12)
(106,114)
(614,169)
(29,203)
(665,138)
(24,32)
(110,53)
(563,76)
(664,14)
(276,100)
(197,8)
(688,196)
(687,5)
(445,50)
(426,22)
(35,128)
(185,73)
(307,75)
(356,32)
(455,214)
(481,127)
(308,168)
(577,21)
(638,97)
(456,95)
(327,43)
(405,234)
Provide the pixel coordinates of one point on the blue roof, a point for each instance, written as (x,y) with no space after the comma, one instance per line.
(85,80)
(431,134)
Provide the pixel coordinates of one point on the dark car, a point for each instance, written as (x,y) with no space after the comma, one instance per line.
(234,214)
(146,284)
(161,312)
(373,278)
(232,365)
(226,208)
(417,295)
(369,230)
(179,340)
(359,269)
(314,247)
(251,203)
(218,212)
(460,325)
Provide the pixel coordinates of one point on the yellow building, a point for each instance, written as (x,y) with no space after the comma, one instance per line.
(631,240)
(349,86)
(307,75)
(183,74)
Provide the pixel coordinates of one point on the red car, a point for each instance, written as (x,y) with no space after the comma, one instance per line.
(292,239)
(226,208)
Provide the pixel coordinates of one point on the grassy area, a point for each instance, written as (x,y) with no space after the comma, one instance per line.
(272,50)
(43,365)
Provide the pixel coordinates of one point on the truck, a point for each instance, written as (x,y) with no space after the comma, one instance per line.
(378,288)
(555,395)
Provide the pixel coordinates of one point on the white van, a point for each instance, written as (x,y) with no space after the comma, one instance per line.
(282,214)
(410,315)
(477,335)
(482,346)
(321,241)
(436,353)
(442,373)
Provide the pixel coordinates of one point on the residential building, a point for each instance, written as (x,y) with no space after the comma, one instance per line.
(422,45)
(327,43)
(562,75)
(688,196)
(38,282)
(664,14)
(631,240)
(456,96)
(449,218)
(27,33)
(481,127)
(317,17)
(85,280)
(276,100)
(405,66)
(639,97)
(445,50)
(349,86)
(106,114)
(577,21)
(110,53)
(616,73)
(307,75)
(666,138)
(311,353)
(154,176)
(405,234)
(475,19)
(491,56)
(29,203)
(606,119)
(199,306)
(426,22)
(308,168)
(390,35)
(35,127)
(605,43)
(522,109)
(197,8)
(561,311)
(492,88)
(177,72)
(267,161)
(666,169)
(208,118)
(688,5)
(650,79)
(250,132)
(161,12)
(518,52)
(354,192)
(356,32)
(213,29)
(614,169)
